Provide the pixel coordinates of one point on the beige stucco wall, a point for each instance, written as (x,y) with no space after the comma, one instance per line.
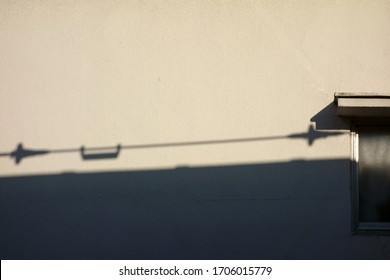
(99,73)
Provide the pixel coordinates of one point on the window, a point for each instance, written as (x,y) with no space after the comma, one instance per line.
(371,177)
(369,114)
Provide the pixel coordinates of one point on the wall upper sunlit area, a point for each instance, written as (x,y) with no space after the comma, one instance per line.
(103,73)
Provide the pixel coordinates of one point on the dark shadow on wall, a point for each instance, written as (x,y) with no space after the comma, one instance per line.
(288,210)
(327,119)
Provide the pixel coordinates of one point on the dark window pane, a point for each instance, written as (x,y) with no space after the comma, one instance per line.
(374,175)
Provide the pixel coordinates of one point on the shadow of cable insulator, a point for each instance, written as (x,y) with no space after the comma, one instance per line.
(100,153)
(313,134)
(113,152)
(21,153)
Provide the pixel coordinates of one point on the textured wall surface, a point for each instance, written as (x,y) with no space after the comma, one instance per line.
(100,73)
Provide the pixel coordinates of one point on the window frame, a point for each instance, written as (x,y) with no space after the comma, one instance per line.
(358,227)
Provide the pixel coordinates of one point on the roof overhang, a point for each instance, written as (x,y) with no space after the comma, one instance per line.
(362,104)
